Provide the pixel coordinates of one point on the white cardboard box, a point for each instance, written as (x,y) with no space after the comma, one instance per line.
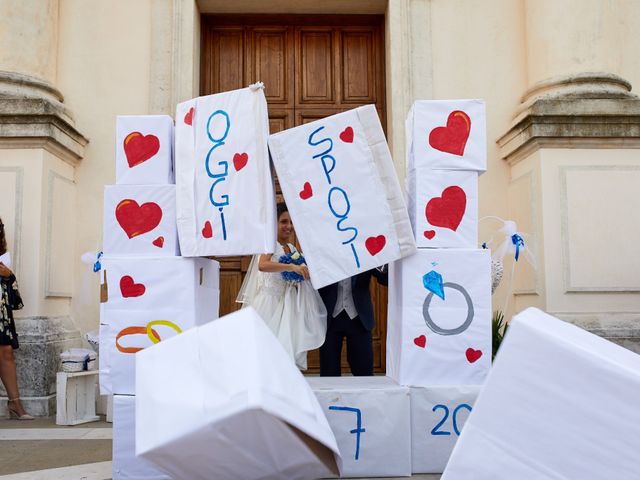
(224,400)
(447,135)
(370,417)
(140,220)
(559,403)
(439,318)
(437,417)
(150,297)
(144,149)
(443,207)
(126,466)
(225,193)
(343,194)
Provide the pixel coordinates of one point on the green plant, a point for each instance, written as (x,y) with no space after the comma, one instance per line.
(498,329)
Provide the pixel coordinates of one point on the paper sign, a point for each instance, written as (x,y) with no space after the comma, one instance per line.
(144,149)
(343,195)
(439,319)
(371,421)
(225,193)
(6,259)
(443,206)
(126,466)
(225,401)
(438,415)
(584,392)
(140,220)
(447,135)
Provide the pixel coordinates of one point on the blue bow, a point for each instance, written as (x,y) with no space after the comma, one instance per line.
(518,241)
(97,266)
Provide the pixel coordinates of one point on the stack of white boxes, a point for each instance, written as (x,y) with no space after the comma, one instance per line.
(149,293)
(439,325)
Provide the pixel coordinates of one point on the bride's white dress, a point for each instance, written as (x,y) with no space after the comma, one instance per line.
(293,311)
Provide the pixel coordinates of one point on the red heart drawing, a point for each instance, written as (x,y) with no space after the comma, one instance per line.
(420,341)
(129,288)
(188,118)
(447,211)
(375,244)
(138,219)
(429,234)
(207,231)
(158,242)
(139,148)
(453,137)
(306,192)
(473,355)
(240,160)
(347,135)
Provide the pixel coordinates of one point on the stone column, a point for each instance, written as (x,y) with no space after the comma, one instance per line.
(39,150)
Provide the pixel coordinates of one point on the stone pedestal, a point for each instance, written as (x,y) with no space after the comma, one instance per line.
(574,155)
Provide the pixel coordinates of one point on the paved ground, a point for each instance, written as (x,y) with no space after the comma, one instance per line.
(41,450)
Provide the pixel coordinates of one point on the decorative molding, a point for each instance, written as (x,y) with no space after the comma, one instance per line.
(48,292)
(590,110)
(564,230)
(17,223)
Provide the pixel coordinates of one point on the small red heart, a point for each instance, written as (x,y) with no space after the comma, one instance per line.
(129,288)
(347,135)
(375,244)
(447,211)
(240,160)
(207,231)
(306,192)
(473,355)
(420,341)
(429,234)
(139,148)
(138,219)
(452,138)
(159,242)
(188,118)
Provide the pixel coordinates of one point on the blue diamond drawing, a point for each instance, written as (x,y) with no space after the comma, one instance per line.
(432,281)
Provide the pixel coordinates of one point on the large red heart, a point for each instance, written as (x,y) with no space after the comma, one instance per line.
(375,244)
(447,211)
(138,219)
(473,355)
(139,148)
(188,118)
(129,288)
(306,192)
(207,231)
(420,341)
(240,160)
(347,135)
(452,138)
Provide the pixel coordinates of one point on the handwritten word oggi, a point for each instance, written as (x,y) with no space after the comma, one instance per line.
(148,330)
(337,198)
(216,120)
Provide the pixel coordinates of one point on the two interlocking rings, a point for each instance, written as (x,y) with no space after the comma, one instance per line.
(148,330)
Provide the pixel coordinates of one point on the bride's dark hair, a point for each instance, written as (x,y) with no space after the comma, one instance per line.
(3,239)
(281,207)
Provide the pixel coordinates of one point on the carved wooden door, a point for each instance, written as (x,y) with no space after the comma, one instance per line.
(312,67)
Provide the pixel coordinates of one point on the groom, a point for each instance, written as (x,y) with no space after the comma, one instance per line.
(350,315)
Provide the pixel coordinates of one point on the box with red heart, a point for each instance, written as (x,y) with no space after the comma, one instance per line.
(140,220)
(140,308)
(447,135)
(439,318)
(443,206)
(144,150)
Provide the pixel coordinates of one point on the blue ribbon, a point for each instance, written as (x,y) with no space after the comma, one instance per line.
(518,241)
(97,266)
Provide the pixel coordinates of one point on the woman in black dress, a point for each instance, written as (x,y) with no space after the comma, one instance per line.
(9,300)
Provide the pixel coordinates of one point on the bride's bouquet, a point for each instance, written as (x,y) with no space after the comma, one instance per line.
(292,258)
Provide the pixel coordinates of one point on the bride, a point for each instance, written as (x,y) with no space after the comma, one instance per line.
(292,309)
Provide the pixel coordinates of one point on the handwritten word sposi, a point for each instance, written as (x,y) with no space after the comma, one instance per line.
(337,198)
(216,120)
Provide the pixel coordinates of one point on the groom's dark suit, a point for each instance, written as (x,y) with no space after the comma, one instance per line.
(356,330)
